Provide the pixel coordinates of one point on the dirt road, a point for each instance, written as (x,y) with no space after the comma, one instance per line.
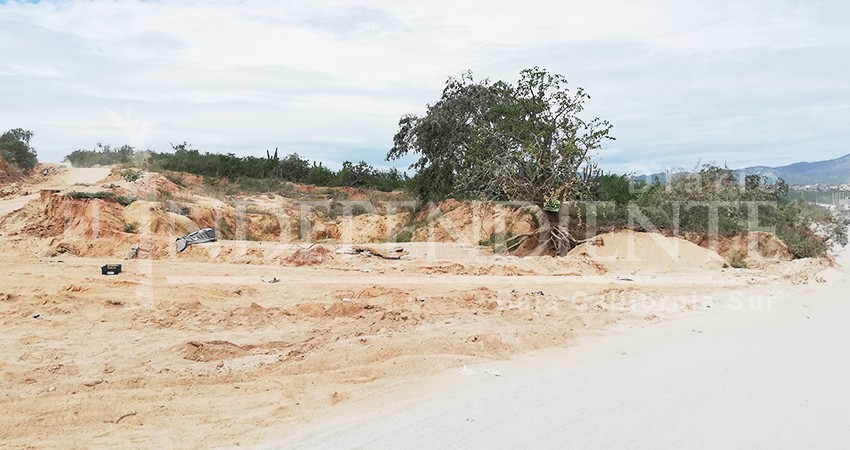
(86,175)
(13,204)
(774,376)
(64,180)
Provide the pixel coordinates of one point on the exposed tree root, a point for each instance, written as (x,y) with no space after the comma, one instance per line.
(546,240)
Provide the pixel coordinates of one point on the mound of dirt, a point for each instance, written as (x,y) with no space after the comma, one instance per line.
(632,251)
(324,232)
(152,218)
(210,350)
(53,215)
(311,256)
(151,184)
(369,228)
(755,247)
(470,222)
(81,227)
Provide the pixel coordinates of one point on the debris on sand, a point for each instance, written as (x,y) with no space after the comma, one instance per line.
(125,416)
(310,256)
(134,251)
(201,236)
(395,253)
(110,269)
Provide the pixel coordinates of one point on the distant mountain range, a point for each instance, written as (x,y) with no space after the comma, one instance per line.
(833,172)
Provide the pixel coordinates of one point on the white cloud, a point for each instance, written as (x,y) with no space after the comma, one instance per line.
(744,82)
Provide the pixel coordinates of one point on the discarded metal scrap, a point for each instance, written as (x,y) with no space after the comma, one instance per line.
(201,236)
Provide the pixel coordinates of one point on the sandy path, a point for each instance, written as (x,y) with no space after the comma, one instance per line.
(84,175)
(64,181)
(770,377)
(14,204)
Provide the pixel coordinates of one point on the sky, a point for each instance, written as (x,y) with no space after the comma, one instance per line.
(735,82)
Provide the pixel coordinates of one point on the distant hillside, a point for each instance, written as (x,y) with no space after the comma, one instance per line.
(833,171)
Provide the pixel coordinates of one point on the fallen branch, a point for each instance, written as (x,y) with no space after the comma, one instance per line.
(125,416)
(369,251)
(519,240)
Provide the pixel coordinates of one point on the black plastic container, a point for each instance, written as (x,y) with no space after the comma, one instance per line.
(110,269)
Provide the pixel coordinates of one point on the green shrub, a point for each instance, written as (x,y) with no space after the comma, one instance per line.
(802,243)
(130,175)
(683,204)
(340,209)
(15,148)
(123,200)
(404,235)
(131,227)
(497,241)
(174,178)
(737,260)
(616,188)
(103,155)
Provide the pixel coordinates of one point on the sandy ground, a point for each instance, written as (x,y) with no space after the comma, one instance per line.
(233,343)
(14,204)
(66,179)
(765,370)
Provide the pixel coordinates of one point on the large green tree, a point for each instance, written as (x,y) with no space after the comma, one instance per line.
(526,141)
(15,148)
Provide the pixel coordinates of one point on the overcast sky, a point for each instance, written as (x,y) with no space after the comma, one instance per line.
(741,82)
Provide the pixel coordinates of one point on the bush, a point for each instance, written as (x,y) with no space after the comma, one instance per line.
(103,155)
(252,174)
(737,260)
(124,200)
(687,203)
(802,243)
(131,227)
(615,188)
(174,178)
(130,175)
(346,209)
(404,235)
(15,148)
(497,241)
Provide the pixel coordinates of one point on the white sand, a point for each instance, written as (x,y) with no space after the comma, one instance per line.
(775,377)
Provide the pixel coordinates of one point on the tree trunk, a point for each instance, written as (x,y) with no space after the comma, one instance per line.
(550,238)
(556,236)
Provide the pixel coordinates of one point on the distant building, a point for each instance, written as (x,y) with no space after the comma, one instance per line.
(843,205)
